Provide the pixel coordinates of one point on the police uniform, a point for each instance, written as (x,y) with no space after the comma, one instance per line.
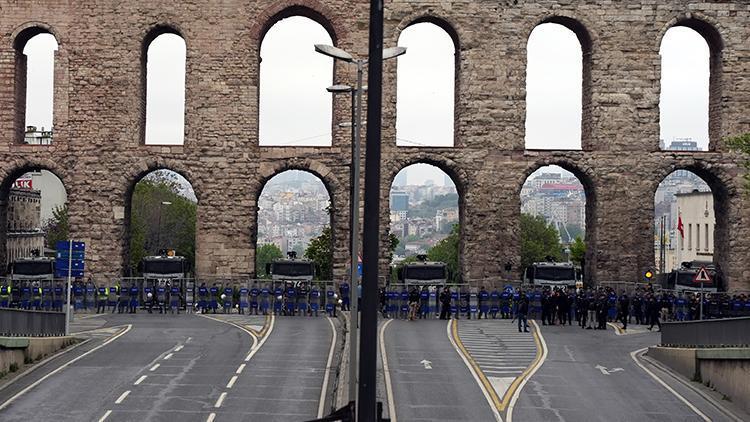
(101,300)
(174,299)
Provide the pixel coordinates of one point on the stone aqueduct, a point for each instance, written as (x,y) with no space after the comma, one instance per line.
(99,153)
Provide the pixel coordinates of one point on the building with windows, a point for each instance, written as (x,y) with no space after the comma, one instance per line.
(25,235)
(697,211)
(399,201)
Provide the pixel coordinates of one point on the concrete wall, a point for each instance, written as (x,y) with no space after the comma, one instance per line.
(99,154)
(727,370)
(37,349)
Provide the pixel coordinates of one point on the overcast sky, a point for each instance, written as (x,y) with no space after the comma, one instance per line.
(295,108)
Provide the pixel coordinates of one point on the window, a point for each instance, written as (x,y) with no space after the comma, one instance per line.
(425,90)
(697,237)
(706,247)
(690,236)
(165,90)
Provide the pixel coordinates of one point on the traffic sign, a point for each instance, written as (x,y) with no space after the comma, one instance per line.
(63,259)
(702,276)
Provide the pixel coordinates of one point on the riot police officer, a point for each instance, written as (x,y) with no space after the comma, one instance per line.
(175,298)
(148,297)
(203,298)
(227,299)
(101,300)
(4,296)
(161,297)
(214,291)
(482,301)
(133,298)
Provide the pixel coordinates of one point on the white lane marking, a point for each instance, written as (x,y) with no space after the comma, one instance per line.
(61,367)
(178,348)
(211,417)
(322,401)
(231,382)
(634,355)
(188,340)
(106,414)
(386,372)
(220,400)
(155,367)
(486,393)
(427,364)
(517,393)
(167,357)
(122,397)
(140,380)
(240,369)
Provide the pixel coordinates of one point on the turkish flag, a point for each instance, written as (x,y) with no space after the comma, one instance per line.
(680,227)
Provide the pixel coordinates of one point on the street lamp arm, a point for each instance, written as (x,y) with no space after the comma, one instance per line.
(334,52)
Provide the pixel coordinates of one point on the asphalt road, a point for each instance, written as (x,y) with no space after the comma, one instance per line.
(447,391)
(591,376)
(182,367)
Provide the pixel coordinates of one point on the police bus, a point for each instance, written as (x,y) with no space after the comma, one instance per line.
(681,279)
(553,274)
(166,277)
(291,269)
(423,272)
(30,273)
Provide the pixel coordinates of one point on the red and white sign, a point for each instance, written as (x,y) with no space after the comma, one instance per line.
(22,183)
(702,276)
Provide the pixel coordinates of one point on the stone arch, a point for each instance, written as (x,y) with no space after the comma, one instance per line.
(587,40)
(711,33)
(8,175)
(128,182)
(460,179)
(332,185)
(589,181)
(311,9)
(149,36)
(724,191)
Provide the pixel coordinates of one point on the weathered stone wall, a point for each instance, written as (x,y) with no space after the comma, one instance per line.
(98,150)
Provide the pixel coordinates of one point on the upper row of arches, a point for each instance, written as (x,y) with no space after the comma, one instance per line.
(293,78)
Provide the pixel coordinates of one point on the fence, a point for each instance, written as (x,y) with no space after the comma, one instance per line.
(23,323)
(728,332)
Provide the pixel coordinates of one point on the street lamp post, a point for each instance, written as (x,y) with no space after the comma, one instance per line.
(158,232)
(356,93)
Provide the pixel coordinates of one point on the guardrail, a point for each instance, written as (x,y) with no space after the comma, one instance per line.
(727,332)
(24,323)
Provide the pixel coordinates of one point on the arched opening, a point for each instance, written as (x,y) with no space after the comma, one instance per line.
(293,82)
(555,99)
(34,203)
(425,104)
(689,219)
(425,217)
(165,56)
(294,216)
(556,203)
(161,218)
(34,85)
(685,90)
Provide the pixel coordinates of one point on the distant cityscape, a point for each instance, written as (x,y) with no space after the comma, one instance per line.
(292,210)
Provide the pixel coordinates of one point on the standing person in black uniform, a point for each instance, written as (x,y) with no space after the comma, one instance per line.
(624,311)
(638,308)
(653,308)
(601,312)
(445,303)
(563,307)
(522,311)
(582,308)
(545,307)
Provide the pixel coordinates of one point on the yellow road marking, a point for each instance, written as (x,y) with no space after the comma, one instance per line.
(501,405)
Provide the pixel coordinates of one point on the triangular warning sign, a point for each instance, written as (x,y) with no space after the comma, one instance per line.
(702,276)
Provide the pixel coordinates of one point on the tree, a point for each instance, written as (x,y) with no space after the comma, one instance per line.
(392,245)
(446,251)
(266,254)
(741,143)
(57,227)
(539,240)
(320,251)
(578,251)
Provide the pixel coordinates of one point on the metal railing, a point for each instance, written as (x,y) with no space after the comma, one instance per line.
(24,323)
(728,332)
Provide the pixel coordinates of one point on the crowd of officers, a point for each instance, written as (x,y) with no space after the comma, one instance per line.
(590,308)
